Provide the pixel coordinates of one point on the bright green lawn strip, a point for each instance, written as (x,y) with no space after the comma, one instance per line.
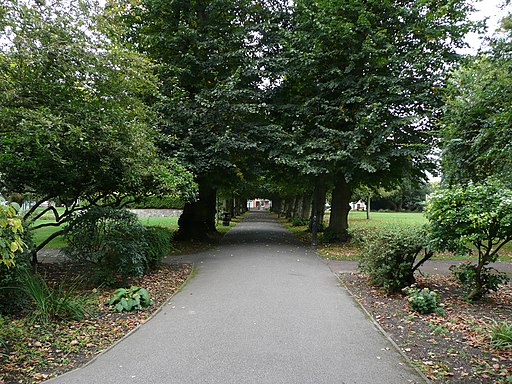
(378,220)
(167,222)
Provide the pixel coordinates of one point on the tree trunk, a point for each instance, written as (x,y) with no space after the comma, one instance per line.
(318,203)
(306,205)
(340,208)
(276,205)
(197,222)
(368,207)
(297,204)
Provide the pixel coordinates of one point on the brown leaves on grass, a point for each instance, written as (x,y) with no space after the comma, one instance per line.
(33,353)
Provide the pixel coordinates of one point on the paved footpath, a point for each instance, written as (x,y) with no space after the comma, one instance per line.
(261,309)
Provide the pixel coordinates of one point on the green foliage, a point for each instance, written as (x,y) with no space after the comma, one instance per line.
(424,301)
(54,302)
(299,221)
(501,335)
(127,300)
(490,278)
(391,255)
(11,235)
(74,123)
(112,240)
(477,216)
(158,202)
(158,240)
(477,123)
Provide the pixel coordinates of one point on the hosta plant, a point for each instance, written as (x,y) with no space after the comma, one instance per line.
(128,300)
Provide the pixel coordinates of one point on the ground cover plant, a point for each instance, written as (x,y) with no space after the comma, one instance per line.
(463,345)
(32,351)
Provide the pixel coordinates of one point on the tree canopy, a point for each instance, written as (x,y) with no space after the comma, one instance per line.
(301,97)
(74,123)
(477,124)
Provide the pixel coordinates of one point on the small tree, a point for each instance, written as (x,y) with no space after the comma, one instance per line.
(475,216)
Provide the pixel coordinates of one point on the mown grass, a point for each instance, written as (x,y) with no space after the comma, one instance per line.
(378,220)
(171,223)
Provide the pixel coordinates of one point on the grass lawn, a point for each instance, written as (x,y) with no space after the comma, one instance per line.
(351,251)
(167,222)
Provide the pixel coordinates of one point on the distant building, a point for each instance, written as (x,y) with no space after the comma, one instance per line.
(259,204)
(358,206)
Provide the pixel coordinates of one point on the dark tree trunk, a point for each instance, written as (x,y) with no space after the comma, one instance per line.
(340,208)
(297,204)
(197,222)
(306,206)
(318,202)
(276,205)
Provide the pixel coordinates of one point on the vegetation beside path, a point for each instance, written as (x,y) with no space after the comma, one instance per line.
(456,341)
(39,338)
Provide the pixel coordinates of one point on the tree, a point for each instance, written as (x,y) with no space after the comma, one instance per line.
(74,125)
(361,88)
(477,215)
(477,123)
(206,51)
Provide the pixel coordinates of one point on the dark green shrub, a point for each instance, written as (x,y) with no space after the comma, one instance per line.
(299,221)
(392,255)
(158,240)
(128,300)
(424,301)
(111,240)
(466,274)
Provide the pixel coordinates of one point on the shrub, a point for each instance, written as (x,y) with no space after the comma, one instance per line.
(299,221)
(330,236)
(112,240)
(477,216)
(127,300)
(10,275)
(11,235)
(466,274)
(424,301)
(52,302)
(501,335)
(390,256)
(158,240)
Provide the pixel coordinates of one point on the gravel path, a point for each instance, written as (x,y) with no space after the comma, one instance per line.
(261,309)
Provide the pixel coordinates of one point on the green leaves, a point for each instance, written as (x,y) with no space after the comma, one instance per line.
(11,234)
(477,123)
(127,300)
(476,217)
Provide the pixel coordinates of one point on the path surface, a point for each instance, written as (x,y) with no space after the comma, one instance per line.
(261,309)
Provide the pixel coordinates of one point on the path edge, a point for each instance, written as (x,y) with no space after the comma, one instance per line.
(381,330)
(191,275)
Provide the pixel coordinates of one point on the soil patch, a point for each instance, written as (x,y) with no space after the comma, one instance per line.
(31,352)
(454,348)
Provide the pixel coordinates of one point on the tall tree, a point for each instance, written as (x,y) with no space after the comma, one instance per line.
(206,51)
(477,124)
(362,87)
(74,126)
